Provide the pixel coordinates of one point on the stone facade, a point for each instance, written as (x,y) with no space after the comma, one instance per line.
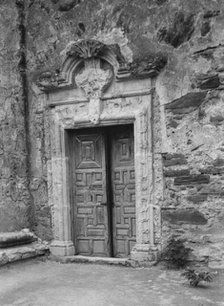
(182,39)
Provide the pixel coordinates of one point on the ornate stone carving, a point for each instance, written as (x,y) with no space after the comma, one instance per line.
(93,80)
(148,67)
(49,80)
(85,49)
(94,110)
(91,66)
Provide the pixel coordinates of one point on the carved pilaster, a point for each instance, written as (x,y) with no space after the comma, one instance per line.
(62,245)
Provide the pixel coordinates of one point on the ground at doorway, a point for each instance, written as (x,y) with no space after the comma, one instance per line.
(47,283)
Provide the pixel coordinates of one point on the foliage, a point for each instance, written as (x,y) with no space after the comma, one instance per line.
(195,277)
(176,255)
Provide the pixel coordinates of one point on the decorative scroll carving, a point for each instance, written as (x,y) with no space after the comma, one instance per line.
(50,80)
(148,67)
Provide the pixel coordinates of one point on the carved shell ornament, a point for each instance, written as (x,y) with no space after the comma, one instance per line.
(86,49)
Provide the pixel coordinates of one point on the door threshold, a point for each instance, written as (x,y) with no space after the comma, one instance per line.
(92,260)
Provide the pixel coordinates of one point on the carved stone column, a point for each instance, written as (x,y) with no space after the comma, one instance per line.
(62,244)
(144,249)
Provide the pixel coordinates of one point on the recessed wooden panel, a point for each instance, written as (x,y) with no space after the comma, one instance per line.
(89,179)
(88,151)
(123,185)
(83,246)
(98,247)
(104,195)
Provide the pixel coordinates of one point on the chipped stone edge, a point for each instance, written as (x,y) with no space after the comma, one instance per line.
(125,262)
(13,254)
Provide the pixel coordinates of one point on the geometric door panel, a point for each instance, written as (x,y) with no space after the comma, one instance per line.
(123,185)
(103,179)
(89,179)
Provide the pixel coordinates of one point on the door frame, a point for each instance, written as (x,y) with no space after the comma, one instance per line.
(148,221)
(99,84)
(105,132)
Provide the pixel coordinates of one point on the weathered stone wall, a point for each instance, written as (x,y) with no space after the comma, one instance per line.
(191,90)
(188,113)
(188,102)
(15,202)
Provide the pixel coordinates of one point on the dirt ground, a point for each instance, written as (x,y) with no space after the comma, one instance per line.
(47,283)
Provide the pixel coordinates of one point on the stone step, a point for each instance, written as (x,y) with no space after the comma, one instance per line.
(93,260)
(16,253)
(9,239)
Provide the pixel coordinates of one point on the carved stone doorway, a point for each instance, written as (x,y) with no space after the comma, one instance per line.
(103,190)
(97,89)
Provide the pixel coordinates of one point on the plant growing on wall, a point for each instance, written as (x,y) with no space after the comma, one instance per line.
(195,277)
(176,254)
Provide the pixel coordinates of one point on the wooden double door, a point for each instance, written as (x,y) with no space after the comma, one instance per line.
(103,196)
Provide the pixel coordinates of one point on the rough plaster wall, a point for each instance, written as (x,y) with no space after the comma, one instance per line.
(15,207)
(191,34)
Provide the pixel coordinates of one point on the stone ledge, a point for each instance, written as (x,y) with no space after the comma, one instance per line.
(13,254)
(10,239)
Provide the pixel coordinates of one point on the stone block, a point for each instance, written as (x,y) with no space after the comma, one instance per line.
(174,173)
(212,170)
(192,99)
(205,28)
(172,123)
(66,5)
(218,119)
(14,256)
(174,159)
(197,198)
(218,161)
(187,216)
(211,13)
(208,81)
(192,179)
(179,31)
